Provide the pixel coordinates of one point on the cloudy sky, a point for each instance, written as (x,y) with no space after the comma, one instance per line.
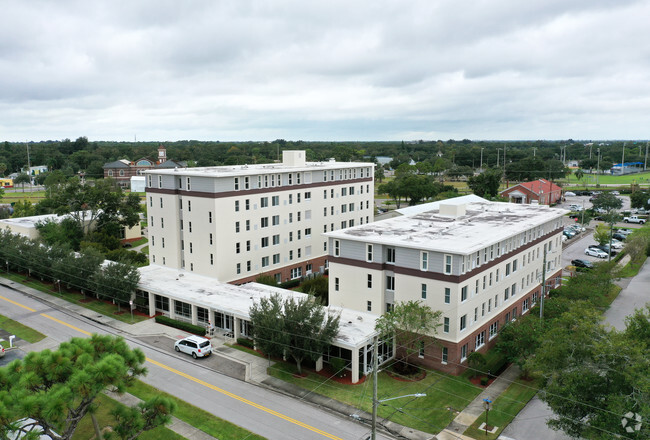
(324,70)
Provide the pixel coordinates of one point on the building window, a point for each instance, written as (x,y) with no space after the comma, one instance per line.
(276,258)
(276,239)
(265,242)
(447,295)
(248,225)
(210,237)
(265,261)
(445,325)
(237,227)
(369,252)
(265,222)
(494,329)
(247,203)
(480,340)
(463,294)
(463,322)
(264,202)
(247,182)
(307,196)
(307,232)
(447,264)
(237,248)
(211,259)
(424,291)
(369,306)
(248,266)
(236,183)
(337,248)
(463,353)
(508,269)
(421,350)
(514,265)
(248,245)
(424,260)
(506,294)
(390,255)
(390,282)
(296,272)
(189,183)
(236,205)
(525,305)
(369,281)
(275,200)
(238,268)
(445,355)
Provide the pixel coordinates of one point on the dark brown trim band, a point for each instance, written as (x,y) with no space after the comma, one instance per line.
(457,279)
(245,192)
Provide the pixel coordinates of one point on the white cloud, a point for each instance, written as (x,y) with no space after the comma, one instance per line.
(241,70)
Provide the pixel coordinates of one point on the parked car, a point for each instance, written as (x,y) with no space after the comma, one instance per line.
(2,351)
(625,232)
(616,193)
(582,264)
(570,194)
(619,236)
(195,346)
(568,233)
(595,252)
(617,245)
(604,248)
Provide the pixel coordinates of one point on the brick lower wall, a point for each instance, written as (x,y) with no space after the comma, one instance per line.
(285,271)
(433,348)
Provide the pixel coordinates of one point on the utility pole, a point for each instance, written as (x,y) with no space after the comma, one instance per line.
(541,301)
(504,159)
(498,149)
(482,148)
(375,400)
(623,160)
(598,169)
(534,150)
(645,162)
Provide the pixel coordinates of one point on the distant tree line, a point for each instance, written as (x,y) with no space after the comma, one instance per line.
(82,155)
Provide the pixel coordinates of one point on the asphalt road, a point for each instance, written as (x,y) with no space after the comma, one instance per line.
(262,411)
(530,423)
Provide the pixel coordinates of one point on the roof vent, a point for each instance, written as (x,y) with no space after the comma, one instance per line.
(453,210)
(359,318)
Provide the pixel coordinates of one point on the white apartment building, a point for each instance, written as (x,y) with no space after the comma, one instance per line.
(234,223)
(480,263)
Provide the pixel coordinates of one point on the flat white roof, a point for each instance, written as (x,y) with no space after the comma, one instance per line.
(30,222)
(417,209)
(355,327)
(247,170)
(483,224)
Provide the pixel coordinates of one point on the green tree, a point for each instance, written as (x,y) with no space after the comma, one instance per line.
(413,324)
(518,340)
(486,184)
(601,234)
(579,174)
(640,199)
(23,208)
(318,287)
(58,388)
(116,281)
(66,232)
(299,328)
(22,178)
(593,375)
(393,190)
(95,206)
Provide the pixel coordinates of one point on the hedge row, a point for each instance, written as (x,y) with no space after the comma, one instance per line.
(186,326)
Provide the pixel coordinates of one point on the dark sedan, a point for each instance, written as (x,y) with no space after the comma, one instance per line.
(582,264)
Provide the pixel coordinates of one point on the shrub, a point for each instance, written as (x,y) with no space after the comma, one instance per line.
(477,363)
(495,363)
(248,343)
(290,284)
(484,380)
(338,366)
(188,327)
(269,280)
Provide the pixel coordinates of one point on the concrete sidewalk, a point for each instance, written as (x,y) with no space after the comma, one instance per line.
(474,410)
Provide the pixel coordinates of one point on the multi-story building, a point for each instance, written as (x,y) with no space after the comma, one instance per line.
(235,223)
(123,170)
(480,263)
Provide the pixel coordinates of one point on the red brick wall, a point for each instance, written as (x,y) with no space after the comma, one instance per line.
(316,263)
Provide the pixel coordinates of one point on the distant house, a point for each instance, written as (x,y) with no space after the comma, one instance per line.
(122,170)
(541,191)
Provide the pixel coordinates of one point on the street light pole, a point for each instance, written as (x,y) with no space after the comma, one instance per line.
(375,400)
(598,169)
(482,157)
(498,149)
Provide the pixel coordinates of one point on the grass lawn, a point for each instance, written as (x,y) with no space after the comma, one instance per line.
(139,242)
(631,269)
(504,409)
(196,417)
(608,179)
(85,428)
(101,307)
(21,331)
(145,250)
(10,197)
(429,414)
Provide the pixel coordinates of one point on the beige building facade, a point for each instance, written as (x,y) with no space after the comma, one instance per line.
(480,263)
(235,223)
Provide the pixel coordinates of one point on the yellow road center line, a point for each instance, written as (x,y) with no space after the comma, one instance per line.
(194,379)
(246,401)
(66,324)
(17,304)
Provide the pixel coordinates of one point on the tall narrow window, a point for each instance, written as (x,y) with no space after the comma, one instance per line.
(337,248)
(448,264)
(447,295)
(424,260)
(369,252)
(424,291)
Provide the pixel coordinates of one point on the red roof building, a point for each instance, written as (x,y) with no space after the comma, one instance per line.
(542,191)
